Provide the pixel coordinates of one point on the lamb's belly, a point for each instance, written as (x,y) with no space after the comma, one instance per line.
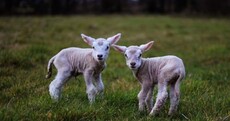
(77,72)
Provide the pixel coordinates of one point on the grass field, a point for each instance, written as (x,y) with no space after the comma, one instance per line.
(27,43)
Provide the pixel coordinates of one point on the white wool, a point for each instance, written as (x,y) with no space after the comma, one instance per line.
(160,71)
(75,61)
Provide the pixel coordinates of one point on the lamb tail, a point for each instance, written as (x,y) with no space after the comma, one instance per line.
(49,67)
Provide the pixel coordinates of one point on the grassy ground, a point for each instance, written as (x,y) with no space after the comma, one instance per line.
(27,43)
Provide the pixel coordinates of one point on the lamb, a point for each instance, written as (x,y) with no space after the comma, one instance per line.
(160,71)
(74,61)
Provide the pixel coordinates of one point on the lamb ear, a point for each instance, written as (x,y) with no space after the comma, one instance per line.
(89,40)
(146,47)
(121,49)
(114,39)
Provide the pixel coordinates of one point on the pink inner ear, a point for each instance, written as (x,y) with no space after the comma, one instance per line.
(120,48)
(115,39)
(88,40)
(146,46)
(149,46)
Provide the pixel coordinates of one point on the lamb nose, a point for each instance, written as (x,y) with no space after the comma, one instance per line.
(99,56)
(133,64)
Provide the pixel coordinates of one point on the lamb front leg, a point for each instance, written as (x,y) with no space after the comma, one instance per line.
(90,88)
(142,96)
(99,85)
(149,99)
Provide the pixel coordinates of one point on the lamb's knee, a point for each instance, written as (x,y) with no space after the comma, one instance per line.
(141,97)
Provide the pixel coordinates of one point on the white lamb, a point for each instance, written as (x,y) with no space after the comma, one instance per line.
(74,61)
(163,71)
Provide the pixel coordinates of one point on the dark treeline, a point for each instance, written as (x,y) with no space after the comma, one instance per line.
(50,7)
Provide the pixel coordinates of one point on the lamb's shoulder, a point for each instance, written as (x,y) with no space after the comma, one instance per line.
(146,72)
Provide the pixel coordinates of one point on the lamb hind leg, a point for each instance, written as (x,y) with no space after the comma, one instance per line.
(161,98)
(174,98)
(56,85)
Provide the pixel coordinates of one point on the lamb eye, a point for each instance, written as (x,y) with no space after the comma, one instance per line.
(126,56)
(107,48)
(139,56)
(93,47)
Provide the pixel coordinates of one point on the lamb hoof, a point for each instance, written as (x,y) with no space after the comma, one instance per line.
(55,98)
(100,95)
(153,113)
(171,113)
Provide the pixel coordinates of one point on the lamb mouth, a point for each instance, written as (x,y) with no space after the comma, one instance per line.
(133,67)
(100,59)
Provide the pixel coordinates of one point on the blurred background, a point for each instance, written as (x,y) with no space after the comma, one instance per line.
(32,31)
(51,7)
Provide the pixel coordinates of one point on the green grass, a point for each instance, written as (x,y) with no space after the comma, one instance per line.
(27,43)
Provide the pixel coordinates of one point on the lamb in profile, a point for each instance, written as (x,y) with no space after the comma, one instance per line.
(74,61)
(160,71)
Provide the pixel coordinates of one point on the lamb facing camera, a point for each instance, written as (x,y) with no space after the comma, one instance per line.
(160,71)
(89,62)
